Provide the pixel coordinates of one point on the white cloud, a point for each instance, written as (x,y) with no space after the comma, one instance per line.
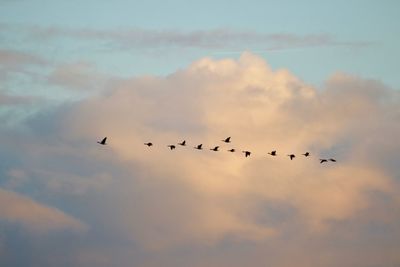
(262,110)
(256,209)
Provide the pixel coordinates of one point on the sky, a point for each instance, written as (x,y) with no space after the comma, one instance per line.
(290,76)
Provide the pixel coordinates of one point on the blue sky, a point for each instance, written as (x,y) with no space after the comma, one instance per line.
(291,76)
(372,23)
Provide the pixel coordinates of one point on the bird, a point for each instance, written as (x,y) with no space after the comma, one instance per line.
(227,140)
(292,156)
(172,147)
(199,147)
(306,154)
(333,160)
(102,142)
(149,144)
(215,148)
(183,143)
(273,153)
(231,150)
(323,160)
(246,153)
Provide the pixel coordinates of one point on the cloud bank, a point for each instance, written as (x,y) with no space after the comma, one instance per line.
(221,209)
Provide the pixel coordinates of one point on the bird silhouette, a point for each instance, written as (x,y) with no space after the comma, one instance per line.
(246,153)
(172,147)
(273,153)
(227,140)
(333,160)
(231,150)
(199,147)
(215,148)
(102,142)
(323,160)
(292,156)
(306,154)
(183,143)
(149,144)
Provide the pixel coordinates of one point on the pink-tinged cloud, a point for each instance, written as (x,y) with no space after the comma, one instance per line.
(13,58)
(13,61)
(157,207)
(194,196)
(33,216)
(213,38)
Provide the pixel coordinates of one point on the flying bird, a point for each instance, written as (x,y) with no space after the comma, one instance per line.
(199,147)
(215,148)
(292,156)
(323,160)
(333,160)
(183,143)
(231,150)
(172,147)
(148,144)
(306,154)
(227,140)
(273,153)
(102,142)
(246,153)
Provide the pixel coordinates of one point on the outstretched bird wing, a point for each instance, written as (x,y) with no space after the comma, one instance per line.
(198,146)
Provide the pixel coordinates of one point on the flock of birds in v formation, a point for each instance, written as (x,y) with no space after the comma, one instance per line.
(226,140)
